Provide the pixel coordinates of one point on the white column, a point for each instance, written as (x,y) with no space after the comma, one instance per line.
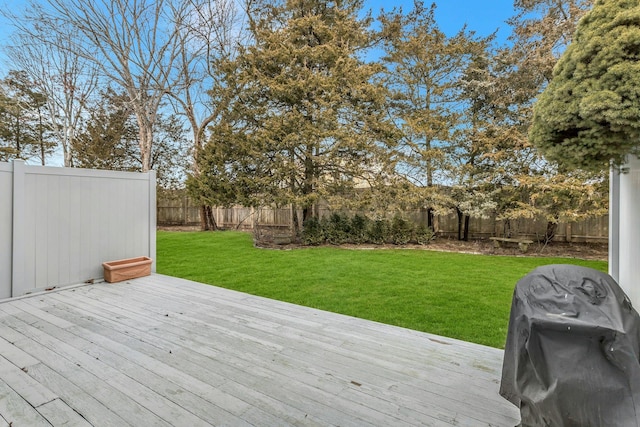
(6,229)
(152,218)
(614,224)
(629,232)
(18,285)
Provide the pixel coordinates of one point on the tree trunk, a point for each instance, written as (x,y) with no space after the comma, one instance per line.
(552,227)
(308,186)
(507,228)
(18,148)
(294,219)
(430,219)
(203,218)
(145,121)
(67,156)
(307,213)
(207,220)
(41,135)
(146,136)
(460,217)
(429,171)
(465,237)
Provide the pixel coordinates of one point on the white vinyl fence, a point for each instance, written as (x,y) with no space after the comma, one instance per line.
(6,228)
(624,237)
(58,225)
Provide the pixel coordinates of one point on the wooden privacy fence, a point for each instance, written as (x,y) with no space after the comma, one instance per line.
(58,225)
(182,211)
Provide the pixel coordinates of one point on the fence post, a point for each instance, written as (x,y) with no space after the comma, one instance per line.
(19,227)
(254,217)
(185,213)
(152,218)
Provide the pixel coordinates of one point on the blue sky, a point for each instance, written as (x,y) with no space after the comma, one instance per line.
(484,17)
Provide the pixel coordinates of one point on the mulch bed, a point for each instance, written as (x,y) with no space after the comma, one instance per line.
(589,251)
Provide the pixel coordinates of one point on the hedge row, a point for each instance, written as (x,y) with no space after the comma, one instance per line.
(340,228)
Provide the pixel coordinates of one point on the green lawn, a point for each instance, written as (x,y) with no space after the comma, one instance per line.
(456,295)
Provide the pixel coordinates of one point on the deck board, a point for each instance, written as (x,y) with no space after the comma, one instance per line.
(165,351)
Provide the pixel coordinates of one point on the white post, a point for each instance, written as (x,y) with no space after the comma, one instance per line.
(614,224)
(152,218)
(629,232)
(18,285)
(6,229)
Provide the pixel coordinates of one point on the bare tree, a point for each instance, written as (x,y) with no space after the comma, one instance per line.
(66,79)
(208,38)
(135,44)
(151,50)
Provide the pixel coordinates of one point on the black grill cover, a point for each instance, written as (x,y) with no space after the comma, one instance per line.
(572,351)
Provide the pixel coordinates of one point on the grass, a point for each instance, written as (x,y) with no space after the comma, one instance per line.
(461,296)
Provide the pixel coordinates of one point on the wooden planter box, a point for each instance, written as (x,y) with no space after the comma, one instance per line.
(125,269)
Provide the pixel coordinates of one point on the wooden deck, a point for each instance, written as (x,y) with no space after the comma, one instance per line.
(165,351)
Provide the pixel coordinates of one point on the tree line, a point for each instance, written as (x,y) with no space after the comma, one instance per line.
(290,102)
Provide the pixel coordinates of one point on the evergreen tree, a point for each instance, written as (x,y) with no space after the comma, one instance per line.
(109,140)
(542,30)
(309,119)
(24,127)
(471,164)
(425,69)
(589,115)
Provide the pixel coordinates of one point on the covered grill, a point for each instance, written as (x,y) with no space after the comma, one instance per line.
(572,350)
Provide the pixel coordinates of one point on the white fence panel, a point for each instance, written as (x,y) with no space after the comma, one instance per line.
(67,222)
(6,241)
(624,247)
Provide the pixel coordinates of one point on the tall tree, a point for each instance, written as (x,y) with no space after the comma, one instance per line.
(109,140)
(470,161)
(57,71)
(134,43)
(425,67)
(309,119)
(208,39)
(589,115)
(541,31)
(23,126)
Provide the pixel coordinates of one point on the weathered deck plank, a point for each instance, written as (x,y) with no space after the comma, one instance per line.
(16,410)
(59,413)
(383,356)
(166,351)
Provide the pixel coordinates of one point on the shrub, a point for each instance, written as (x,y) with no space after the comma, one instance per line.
(378,231)
(359,224)
(401,230)
(423,234)
(338,229)
(312,232)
